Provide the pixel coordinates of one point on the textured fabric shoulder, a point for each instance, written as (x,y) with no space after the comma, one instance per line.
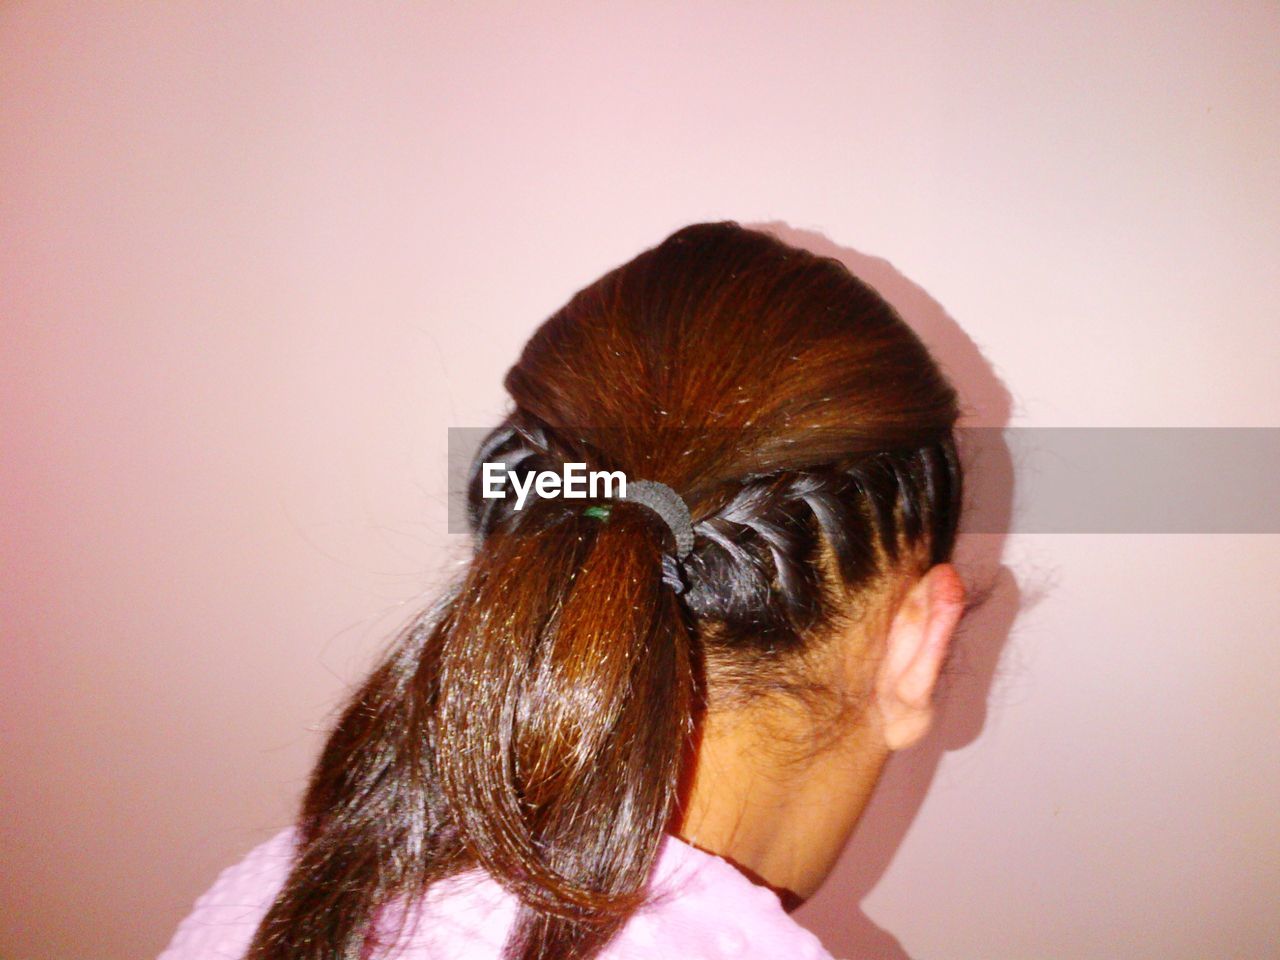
(224,918)
(700,908)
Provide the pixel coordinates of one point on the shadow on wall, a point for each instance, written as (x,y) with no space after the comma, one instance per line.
(835,912)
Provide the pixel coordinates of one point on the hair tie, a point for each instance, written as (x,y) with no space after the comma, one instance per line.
(674,512)
(667,504)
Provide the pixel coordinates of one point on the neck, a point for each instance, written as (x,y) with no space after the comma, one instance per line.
(781,820)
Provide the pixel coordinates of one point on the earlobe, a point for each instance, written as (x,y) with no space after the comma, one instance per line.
(916,646)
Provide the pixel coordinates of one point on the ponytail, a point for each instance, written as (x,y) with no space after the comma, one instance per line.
(566,701)
(536,728)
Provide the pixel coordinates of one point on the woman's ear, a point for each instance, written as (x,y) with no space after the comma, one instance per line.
(915,648)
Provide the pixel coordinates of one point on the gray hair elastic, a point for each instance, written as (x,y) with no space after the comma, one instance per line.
(667,504)
(670,506)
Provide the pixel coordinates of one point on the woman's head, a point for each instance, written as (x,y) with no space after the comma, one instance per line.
(549,719)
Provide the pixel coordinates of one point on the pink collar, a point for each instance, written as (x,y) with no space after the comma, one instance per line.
(702,908)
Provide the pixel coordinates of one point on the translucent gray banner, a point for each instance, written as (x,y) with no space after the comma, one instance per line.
(1075,479)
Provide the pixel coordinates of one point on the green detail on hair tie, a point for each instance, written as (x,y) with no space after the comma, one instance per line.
(598,512)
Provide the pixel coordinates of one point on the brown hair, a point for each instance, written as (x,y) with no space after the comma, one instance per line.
(535,721)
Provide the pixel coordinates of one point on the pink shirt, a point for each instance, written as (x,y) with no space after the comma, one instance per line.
(703,909)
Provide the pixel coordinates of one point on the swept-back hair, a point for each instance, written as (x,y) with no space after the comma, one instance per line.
(535,721)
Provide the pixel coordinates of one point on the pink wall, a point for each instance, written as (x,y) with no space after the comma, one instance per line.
(255,258)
